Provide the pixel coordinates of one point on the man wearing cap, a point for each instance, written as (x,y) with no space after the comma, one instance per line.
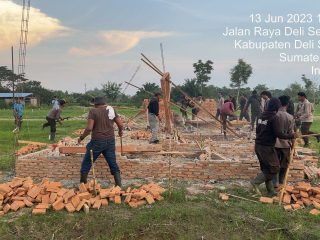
(100,124)
(153,114)
(53,117)
(267,132)
(304,116)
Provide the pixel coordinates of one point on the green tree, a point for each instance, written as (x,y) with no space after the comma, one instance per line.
(191,87)
(111,90)
(261,87)
(203,71)
(141,94)
(293,89)
(310,87)
(7,78)
(240,75)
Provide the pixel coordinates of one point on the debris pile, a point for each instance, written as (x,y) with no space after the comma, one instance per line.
(312,172)
(23,192)
(30,147)
(302,195)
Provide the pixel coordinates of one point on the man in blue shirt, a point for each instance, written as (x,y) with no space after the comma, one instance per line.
(18,109)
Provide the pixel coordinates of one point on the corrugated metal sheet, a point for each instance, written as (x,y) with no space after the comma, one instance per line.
(10,95)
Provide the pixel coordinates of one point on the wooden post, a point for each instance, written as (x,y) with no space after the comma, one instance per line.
(165,87)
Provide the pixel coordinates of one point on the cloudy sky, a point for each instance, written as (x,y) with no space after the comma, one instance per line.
(77,42)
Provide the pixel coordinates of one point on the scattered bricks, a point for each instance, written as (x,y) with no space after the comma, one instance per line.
(289,188)
(53,197)
(61,192)
(296,206)
(133,204)
(16,183)
(141,202)
(82,188)
(303,186)
(97,204)
(300,203)
(128,198)
(286,198)
(6,208)
(69,194)
(39,211)
(223,197)
(54,185)
(266,200)
(287,207)
(1,197)
(27,202)
(1,213)
(316,204)
(92,201)
(104,202)
(75,201)
(70,208)
(160,198)
(38,198)
(306,201)
(16,205)
(317,196)
(5,188)
(315,212)
(104,193)
(129,190)
(117,199)
(45,198)
(316,190)
(80,206)
(58,205)
(304,194)
(86,208)
(84,195)
(149,199)
(42,206)
(295,199)
(33,192)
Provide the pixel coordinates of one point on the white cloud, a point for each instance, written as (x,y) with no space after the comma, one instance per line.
(116,42)
(41,26)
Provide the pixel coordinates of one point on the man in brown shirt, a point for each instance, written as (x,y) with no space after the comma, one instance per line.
(100,124)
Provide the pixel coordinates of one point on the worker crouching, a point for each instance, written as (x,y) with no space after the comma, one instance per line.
(100,124)
(267,131)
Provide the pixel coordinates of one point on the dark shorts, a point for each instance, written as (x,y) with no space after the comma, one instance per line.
(268,159)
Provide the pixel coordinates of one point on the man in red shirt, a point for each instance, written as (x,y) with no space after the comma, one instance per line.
(227,110)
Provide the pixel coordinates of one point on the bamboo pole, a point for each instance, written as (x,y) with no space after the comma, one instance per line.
(285,182)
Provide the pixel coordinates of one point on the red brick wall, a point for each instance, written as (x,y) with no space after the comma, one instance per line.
(68,167)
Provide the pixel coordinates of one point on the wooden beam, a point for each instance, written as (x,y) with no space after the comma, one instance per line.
(130,148)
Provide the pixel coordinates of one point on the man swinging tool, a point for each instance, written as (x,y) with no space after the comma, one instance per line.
(100,124)
(53,117)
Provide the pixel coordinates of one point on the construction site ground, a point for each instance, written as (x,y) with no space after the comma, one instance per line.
(192,210)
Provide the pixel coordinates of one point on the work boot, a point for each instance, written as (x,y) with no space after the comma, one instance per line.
(318,138)
(282,174)
(83,177)
(270,189)
(52,136)
(275,181)
(117,179)
(260,178)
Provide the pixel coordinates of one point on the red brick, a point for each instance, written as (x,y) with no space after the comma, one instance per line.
(104,202)
(84,195)
(58,205)
(70,208)
(97,204)
(45,198)
(53,197)
(6,208)
(75,200)
(27,202)
(150,199)
(315,212)
(34,191)
(288,207)
(5,188)
(266,200)
(39,211)
(42,205)
(80,206)
(117,199)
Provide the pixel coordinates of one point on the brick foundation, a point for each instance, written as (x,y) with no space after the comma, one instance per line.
(56,167)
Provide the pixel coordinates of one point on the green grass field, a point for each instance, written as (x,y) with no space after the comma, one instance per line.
(177,217)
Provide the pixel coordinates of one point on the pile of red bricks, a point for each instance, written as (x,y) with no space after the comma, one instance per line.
(301,195)
(141,135)
(209,105)
(23,192)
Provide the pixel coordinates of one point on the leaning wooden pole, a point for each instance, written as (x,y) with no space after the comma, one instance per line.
(157,70)
(285,182)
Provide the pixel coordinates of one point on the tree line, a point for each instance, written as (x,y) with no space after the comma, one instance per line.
(194,87)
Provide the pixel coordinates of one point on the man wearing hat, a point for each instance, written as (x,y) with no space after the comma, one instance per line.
(267,131)
(100,124)
(53,117)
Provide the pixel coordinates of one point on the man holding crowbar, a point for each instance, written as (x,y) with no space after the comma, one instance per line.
(100,124)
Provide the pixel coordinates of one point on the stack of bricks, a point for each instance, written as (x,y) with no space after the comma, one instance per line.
(64,167)
(22,192)
(209,105)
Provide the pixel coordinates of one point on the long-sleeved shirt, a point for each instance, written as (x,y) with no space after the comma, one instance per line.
(304,111)
(285,121)
(254,102)
(268,130)
(227,107)
(153,106)
(220,102)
